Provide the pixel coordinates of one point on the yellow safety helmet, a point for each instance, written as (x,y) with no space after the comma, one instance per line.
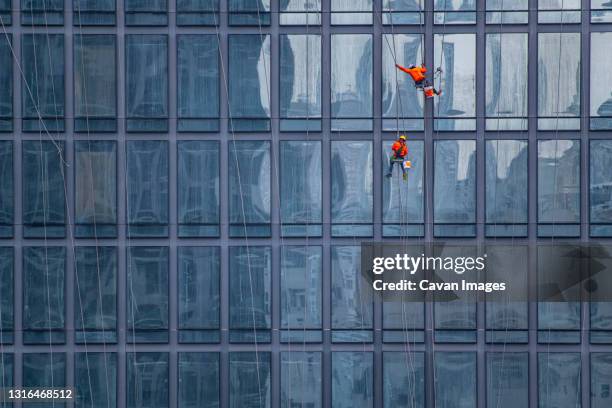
(403,137)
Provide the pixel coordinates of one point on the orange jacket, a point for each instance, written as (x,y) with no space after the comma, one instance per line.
(430,91)
(417,73)
(400,150)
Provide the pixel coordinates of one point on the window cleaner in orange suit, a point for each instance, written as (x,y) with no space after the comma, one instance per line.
(430,91)
(400,150)
(417,73)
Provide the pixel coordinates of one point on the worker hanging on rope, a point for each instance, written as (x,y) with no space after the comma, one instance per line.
(418,75)
(400,150)
(430,91)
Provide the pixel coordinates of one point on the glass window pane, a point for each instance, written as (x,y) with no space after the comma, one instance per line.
(455,379)
(301,188)
(198,83)
(7,265)
(351,297)
(301,280)
(44,370)
(454,187)
(352,379)
(250,306)
(601,11)
(601,81)
(558,11)
(197,12)
(249,83)
(351,12)
(402,103)
(508,380)
(147,294)
(301,379)
(455,109)
(507,12)
(403,12)
(95,83)
(95,377)
(93,12)
(198,188)
(455,12)
(95,294)
(249,188)
(147,185)
(601,378)
(300,12)
(559,81)
(7,375)
(95,195)
(403,379)
(249,379)
(600,179)
(351,82)
(558,187)
(506,96)
(6,81)
(249,12)
(7,194)
(300,83)
(146,82)
(506,182)
(42,88)
(199,294)
(198,380)
(559,383)
(351,188)
(147,380)
(42,12)
(146,12)
(6,12)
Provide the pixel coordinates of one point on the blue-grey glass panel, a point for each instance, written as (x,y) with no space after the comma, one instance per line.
(559,382)
(455,12)
(147,294)
(7,194)
(403,12)
(146,82)
(93,12)
(6,12)
(249,379)
(601,11)
(351,302)
(506,88)
(403,379)
(249,12)
(95,378)
(301,188)
(44,370)
(199,294)
(198,188)
(402,102)
(250,302)
(507,12)
(198,380)
(455,109)
(95,294)
(600,187)
(146,12)
(95,83)
(7,376)
(455,379)
(42,88)
(506,184)
(249,188)
(249,83)
(351,188)
(558,183)
(7,264)
(197,12)
(147,184)
(301,277)
(44,314)
(42,12)
(300,12)
(601,378)
(454,184)
(301,379)
(601,82)
(508,380)
(198,83)
(352,379)
(95,188)
(6,81)
(559,81)
(147,380)
(559,11)
(300,82)
(351,82)
(351,12)
(402,201)
(44,212)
